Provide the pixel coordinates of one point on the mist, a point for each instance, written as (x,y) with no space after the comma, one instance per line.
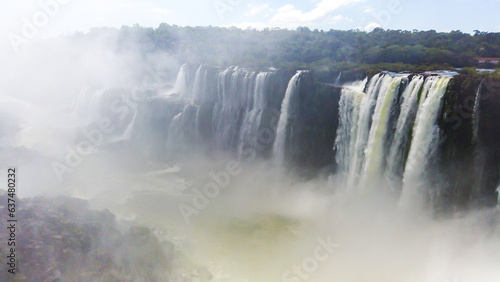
(264,227)
(183,149)
(52,92)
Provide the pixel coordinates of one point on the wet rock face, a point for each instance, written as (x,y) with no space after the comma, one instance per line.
(489,141)
(313,130)
(62,240)
(454,181)
(470,147)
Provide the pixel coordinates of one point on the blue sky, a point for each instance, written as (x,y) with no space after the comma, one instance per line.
(80,15)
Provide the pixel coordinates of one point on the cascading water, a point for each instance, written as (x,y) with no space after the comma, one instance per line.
(401,141)
(252,119)
(350,105)
(337,81)
(234,88)
(476,114)
(478,153)
(383,128)
(129,131)
(230,104)
(424,143)
(367,107)
(364,153)
(289,105)
(174,135)
(386,129)
(375,150)
(181,82)
(200,82)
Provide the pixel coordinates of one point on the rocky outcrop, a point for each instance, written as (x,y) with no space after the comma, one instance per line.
(314,129)
(470,143)
(62,240)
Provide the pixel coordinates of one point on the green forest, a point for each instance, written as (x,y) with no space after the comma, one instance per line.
(302,48)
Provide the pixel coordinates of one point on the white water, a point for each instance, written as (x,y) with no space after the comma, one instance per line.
(337,81)
(259,96)
(409,106)
(286,107)
(199,83)
(364,155)
(375,152)
(476,114)
(350,104)
(424,143)
(180,86)
(366,111)
(479,154)
(251,122)
(129,131)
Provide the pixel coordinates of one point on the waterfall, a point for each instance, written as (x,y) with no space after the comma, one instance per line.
(375,151)
(373,140)
(235,86)
(401,140)
(337,81)
(384,133)
(255,107)
(129,131)
(181,82)
(349,112)
(363,127)
(174,135)
(96,105)
(82,106)
(289,105)
(479,153)
(424,142)
(233,101)
(200,82)
(259,97)
(476,114)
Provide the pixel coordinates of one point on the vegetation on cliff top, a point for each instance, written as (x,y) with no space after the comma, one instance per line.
(333,50)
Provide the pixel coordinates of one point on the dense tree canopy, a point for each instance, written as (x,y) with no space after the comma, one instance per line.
(303,48)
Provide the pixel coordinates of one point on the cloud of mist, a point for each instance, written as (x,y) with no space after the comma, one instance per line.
(262,225)
(43,86)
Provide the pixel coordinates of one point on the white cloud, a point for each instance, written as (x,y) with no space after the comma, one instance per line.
(341,18)
(270,24)
(253,25)
(157,10)
(371,26)
(254,10)
(290,14)
(336,19)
